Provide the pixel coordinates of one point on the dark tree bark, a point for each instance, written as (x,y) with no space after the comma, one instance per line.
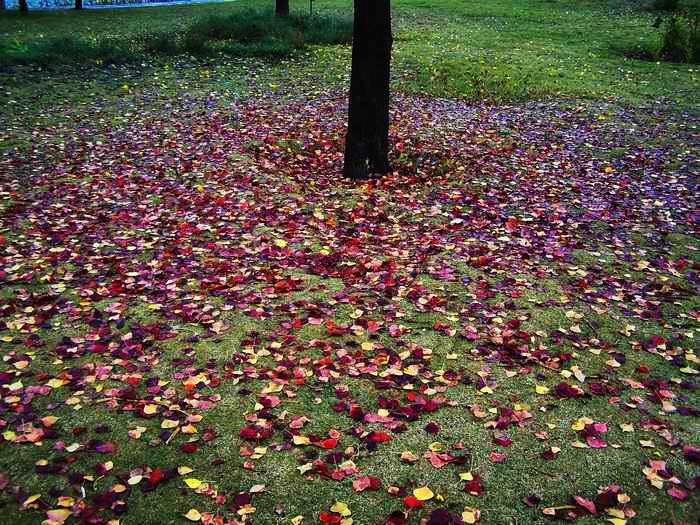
(78,4)
(367,139)
(2,5)
(282,7)
(23,6)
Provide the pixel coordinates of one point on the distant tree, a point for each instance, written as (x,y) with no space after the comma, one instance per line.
(282,7)
(23,6)
(367,139)
(2,5)
(78,4)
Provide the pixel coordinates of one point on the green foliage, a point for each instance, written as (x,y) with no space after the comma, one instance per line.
(665,5)
(67,48)
(694,40)
(681,40)
(259,33)
(242,33)
(324,29)
(159,43)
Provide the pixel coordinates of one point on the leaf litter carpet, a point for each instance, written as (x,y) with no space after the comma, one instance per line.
(530,272)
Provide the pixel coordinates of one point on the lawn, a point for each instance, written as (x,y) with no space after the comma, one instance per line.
(200,321)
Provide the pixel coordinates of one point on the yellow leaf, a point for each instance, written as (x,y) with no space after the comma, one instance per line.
(541,389)
(436,446)
(150,409)
(617,521)
(189,429)
(246,509)
(280,243)
(298,520)
(367,346)
(193,515)
(471,515)
(135,433)
(31,499)
(301,440)
(466,476)
(305,467)
(169,423)
(65,501)
(183,470)
(58,515)
(409,456)
(193,483)
(341,508)
(135,480)
(423,493)
(579,424)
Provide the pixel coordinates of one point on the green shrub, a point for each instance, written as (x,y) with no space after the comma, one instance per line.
(681,40)
(694,40)
(160,43)
(249,27)
(193,42)
(325,30)
(270,48)
(111,50)
(244,33)
(67,49)
(261,34)
(665,5)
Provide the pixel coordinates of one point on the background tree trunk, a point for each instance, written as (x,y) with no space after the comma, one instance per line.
(282,7)
(367,139)
(2,5)
(78,4)
(23,6)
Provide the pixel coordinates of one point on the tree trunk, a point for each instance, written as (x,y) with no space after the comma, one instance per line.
(2,5)
(282,7)
(23,6)
(367,139)
(78,4)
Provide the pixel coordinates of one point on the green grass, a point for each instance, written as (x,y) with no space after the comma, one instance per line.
(495,50)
